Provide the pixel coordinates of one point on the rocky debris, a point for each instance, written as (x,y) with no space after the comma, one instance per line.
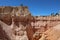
(53,33)
(43,37)
(20,33)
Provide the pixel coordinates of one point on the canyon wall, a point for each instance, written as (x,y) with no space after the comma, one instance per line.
(23,26)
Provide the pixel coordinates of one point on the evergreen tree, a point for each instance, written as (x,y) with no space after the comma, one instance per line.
(56,14)
(21,5)
(52,14)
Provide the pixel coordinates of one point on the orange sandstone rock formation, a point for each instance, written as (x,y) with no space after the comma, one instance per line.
(18,24)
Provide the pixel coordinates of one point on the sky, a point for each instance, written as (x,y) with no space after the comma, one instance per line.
(36,7)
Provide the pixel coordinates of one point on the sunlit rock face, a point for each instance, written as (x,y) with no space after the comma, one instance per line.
(42,24)
(6,12)
(3,35)
(18,24)
(19,10)
(52,33)
(13,21)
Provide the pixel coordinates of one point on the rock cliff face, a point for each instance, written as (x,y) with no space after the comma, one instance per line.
(18,24)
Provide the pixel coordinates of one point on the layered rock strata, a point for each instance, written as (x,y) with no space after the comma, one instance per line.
(16,23)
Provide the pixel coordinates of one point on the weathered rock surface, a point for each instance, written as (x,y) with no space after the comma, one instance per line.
(3,35)
(18,24)
(52,33)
